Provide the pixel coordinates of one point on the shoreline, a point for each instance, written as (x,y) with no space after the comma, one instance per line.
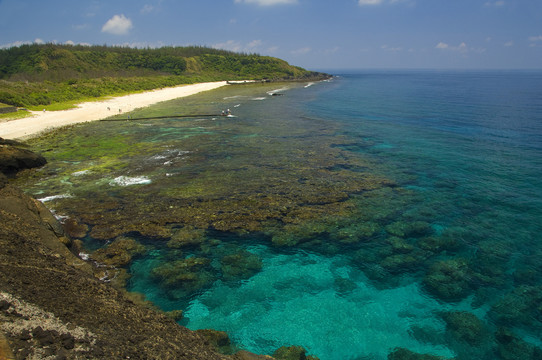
(91,111)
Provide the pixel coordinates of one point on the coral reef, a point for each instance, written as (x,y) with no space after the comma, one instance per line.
(511,347)
(465,326)
(449,279)
(118,253)
(292,353)
(405,354)
(408,229)
(520,307)
(241,265)
(186,275)
(187,237)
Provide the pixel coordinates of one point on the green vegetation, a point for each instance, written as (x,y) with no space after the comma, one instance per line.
(15,115)
(42,75)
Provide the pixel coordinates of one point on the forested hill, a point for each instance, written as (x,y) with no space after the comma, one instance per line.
(36,75)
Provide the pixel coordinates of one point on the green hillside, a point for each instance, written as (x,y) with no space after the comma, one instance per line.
(40,75)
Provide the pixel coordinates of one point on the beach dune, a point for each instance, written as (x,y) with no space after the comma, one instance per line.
(90,111)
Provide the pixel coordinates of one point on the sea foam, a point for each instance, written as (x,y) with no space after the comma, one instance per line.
(54,197)
(82,172)
(276,91)
(128,181)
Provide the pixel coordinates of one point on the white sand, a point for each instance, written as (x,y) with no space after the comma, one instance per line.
(42,121)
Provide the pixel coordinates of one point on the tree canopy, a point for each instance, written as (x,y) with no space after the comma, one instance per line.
(42,74)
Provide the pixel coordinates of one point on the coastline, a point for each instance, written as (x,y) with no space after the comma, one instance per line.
(90,111)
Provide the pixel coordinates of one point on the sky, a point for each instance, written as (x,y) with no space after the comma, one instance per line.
(314,34)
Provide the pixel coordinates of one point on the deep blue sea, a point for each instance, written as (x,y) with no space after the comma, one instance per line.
(375,211)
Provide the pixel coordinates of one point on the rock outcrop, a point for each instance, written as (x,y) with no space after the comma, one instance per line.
(14,158)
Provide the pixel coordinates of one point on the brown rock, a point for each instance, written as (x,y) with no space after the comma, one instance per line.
(14,159)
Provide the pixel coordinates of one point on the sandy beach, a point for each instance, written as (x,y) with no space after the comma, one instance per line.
(90,111)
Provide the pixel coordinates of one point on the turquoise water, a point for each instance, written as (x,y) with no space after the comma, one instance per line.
(375,211)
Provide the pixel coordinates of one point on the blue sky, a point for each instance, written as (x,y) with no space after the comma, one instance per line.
(315,34)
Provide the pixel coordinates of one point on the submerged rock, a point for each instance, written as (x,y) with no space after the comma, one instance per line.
(511,347)
(353,233)
(466,327)
(409,229)
(521,307)
(218,339)
(75,229)
(438,244)
(400,245)
(405,354)
(187,237)
(176,315)
(449,279)
(189,274)
(246,355)
(292,353)
(241,265)
(401,263)
(119,252)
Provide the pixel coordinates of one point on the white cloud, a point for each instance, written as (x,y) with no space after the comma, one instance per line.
(535,41)
(146,9)
(378,2)
(39,41)
(391,49)
(498,3)
(460,48)
(266,2)
(301,51)
(254,44)
(80,27)
(236,46)
(69,42)
(509,44)
(369,2)
(15,44)
(118,25)
(231,45)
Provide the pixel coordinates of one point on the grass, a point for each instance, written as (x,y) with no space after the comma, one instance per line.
(15,115)
(72,104)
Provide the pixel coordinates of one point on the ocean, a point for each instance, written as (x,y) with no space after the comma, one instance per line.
(376,213)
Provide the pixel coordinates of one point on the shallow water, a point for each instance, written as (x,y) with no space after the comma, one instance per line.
(376,211)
